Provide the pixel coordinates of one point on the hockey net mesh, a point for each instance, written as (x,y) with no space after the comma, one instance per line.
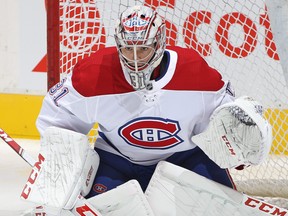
(234,37)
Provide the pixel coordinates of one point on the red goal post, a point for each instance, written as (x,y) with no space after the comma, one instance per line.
(53,43)
(234,36)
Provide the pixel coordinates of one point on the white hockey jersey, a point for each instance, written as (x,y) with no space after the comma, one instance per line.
(143,126)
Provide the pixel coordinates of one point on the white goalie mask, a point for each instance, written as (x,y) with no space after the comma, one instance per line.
(141,41)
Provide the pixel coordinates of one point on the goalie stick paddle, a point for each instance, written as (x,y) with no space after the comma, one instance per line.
(81,206)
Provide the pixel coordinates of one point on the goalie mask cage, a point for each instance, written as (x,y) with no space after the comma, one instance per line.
(237,37)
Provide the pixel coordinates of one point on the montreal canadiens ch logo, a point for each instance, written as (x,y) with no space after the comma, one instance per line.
(135,23)
(152,133)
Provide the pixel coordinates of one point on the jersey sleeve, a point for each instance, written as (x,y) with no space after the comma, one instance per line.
(57,109)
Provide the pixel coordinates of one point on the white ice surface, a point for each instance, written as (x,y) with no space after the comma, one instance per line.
(14,172)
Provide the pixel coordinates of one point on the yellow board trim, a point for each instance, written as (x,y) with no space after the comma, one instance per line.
(18,114)
(278,118)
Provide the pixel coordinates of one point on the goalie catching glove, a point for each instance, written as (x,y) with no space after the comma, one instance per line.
(236,135)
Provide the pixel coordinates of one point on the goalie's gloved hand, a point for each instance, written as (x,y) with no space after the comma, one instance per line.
(237,134)
(66,168)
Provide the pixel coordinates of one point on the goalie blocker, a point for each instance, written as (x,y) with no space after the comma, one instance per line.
(66,167)
(237,134)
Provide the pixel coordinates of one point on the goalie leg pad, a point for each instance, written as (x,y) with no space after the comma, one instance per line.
(67,166)
(174,191)
(197,161)
(127,199)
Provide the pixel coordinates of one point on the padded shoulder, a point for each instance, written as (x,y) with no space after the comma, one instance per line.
(99,74)
(193,73)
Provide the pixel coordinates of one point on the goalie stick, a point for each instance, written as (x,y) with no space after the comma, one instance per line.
(81,207)
(17,148)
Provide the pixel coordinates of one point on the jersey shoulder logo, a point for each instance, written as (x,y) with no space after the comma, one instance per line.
(151,133)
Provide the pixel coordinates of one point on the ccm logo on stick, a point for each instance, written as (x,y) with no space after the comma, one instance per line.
(33,176)
(5,136)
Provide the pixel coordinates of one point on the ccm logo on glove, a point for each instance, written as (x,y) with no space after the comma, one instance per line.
(225,139)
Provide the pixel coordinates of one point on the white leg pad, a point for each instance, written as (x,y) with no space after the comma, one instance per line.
(176,191)
(127,199)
